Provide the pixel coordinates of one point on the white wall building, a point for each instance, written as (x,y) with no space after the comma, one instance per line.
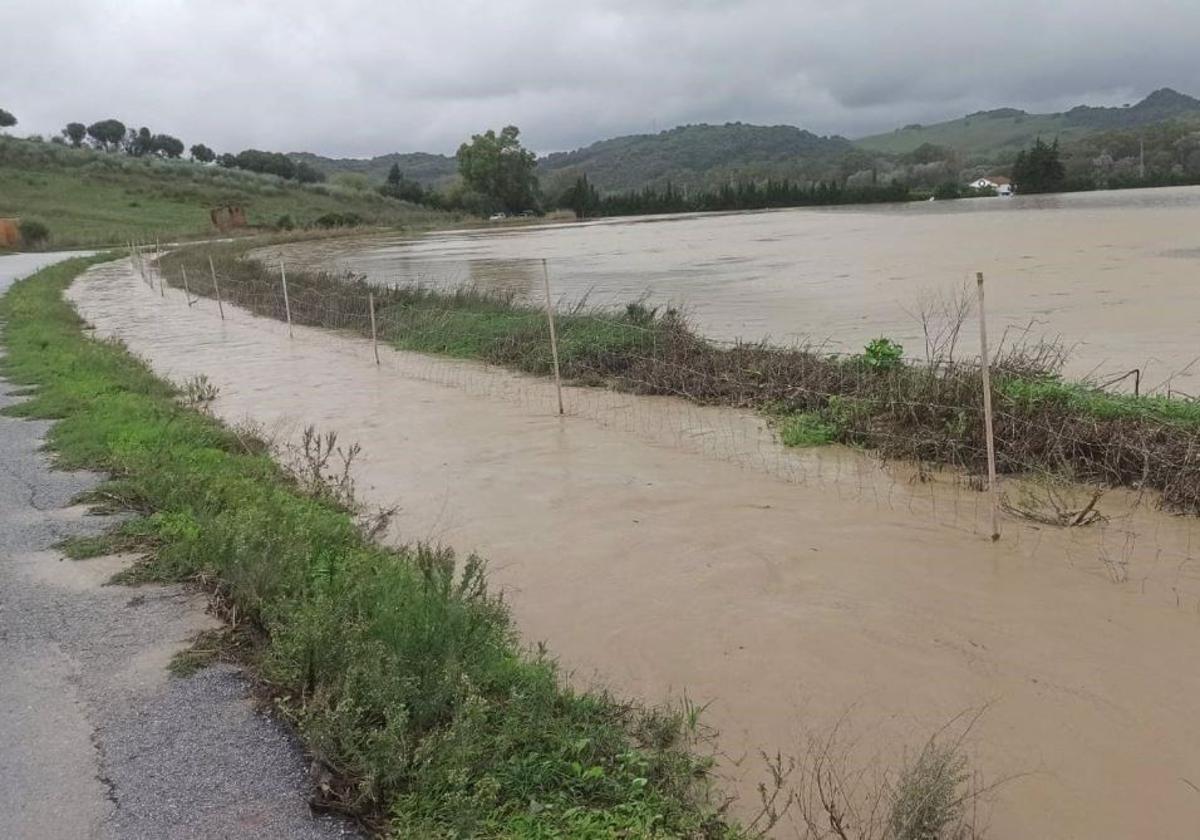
(999,183)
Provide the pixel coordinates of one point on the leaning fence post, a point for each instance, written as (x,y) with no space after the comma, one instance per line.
(374,337)
(553,334)
(287,306)
(984,365)
(216,287)
(187,293)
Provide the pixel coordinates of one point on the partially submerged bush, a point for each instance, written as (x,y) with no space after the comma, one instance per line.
(935,796)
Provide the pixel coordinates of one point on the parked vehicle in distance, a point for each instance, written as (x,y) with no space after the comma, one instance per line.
(497,217)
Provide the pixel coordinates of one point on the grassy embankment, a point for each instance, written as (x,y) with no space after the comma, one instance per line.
(1044,424)
(89,198)
(401,671)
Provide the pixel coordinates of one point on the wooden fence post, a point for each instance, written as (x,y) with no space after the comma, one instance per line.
(187,293)
(287,306)
(985,368)
(374,337)
(553,334)
(216,287)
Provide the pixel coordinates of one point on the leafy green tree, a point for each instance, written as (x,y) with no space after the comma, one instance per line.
(75,132)
(928,153)
(947,190)
(167,146)
(7,120)
(203,154)
(306,173)
(399,187)
(140,142)
(1039,169)
(107,134)
(497,167)
(581,197)
(273,163)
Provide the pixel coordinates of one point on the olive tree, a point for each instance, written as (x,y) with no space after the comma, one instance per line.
(75,132)
(107,134)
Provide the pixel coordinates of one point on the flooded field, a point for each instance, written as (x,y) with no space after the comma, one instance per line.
(1116,275)
(666,550)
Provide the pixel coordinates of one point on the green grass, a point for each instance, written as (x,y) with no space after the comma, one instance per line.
(401,670)
(474,325)
(806,429)
(1029,394)
(89,198)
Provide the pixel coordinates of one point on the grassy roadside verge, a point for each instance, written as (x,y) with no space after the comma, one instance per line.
(401,671)
(934,416)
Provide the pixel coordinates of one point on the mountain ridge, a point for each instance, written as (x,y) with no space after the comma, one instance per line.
(704,154)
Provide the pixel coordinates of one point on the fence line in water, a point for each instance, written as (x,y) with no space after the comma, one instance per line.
(1117,547)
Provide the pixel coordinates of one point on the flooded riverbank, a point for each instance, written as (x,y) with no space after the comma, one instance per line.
(1112,274)
(663,548)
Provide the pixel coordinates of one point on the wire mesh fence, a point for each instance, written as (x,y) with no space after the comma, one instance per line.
(1075,487)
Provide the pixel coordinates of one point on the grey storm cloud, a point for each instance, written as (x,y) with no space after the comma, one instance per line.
(363,77)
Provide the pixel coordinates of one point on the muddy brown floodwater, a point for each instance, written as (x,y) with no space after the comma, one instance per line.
(664,550)
(1115,274)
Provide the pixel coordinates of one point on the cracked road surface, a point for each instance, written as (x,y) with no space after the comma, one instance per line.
(97,739)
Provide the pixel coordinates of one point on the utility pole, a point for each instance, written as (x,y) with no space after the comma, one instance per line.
(1142,158)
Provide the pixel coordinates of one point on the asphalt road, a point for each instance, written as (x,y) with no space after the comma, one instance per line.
(97,739)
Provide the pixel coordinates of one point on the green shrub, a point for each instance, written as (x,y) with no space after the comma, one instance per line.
(336,220)
(883,354)
(34,233)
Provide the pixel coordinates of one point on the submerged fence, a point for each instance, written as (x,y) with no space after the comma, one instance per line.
(935,419)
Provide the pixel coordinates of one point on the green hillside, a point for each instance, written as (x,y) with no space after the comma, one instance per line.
(697,155)
(986,134)
(688,156)
(426,169)
(87,197)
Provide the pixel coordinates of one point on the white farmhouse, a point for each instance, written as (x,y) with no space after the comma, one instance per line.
(999,183)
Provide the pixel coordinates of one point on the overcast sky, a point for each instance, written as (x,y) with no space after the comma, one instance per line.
(365,77)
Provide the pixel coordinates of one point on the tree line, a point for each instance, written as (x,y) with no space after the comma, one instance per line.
(113,136)
(585,200)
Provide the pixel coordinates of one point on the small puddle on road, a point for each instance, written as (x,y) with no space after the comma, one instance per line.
(662,549)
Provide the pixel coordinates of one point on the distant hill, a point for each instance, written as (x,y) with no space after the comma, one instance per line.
(987,133)
(429,170)
(696,155)
(688,156)
(707,156)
